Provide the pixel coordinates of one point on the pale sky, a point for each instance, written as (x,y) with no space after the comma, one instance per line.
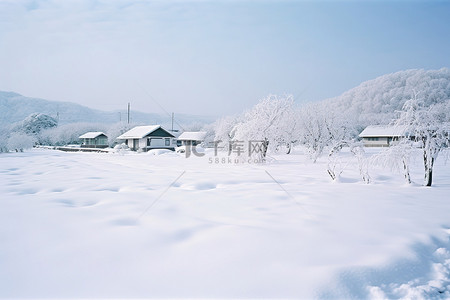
(211,57)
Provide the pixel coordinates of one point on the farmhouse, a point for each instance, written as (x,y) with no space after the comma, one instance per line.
(144,138)
(191,138)
(382,135)
(95,139)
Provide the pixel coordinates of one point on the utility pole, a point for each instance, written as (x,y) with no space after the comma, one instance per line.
(128,112)
(172,122)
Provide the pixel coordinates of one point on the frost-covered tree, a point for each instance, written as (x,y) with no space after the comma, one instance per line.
(321,127)
(363,162)
(336,166)
(35,123)
(3,139)
(428,127)
(396,158)
(70,133)
(210,134)
(224,129)
(289,130)
(116,130)
(19,141)
(266,122)
(313,133)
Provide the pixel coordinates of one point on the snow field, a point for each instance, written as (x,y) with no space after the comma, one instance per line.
(110,225)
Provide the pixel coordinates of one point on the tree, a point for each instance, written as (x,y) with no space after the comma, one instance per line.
(223,129)
(397,158)
(335,167)
(20,141)
(35,123)
(265,122)
(4,132)
(70,133)
(116,130)
(427,127)
(320,127)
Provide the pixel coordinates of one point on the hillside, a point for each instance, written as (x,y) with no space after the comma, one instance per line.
(15,107)
(375,101)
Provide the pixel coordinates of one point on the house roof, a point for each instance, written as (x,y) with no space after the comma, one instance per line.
(91,135)
(383,131)
(192,136)
(140,132)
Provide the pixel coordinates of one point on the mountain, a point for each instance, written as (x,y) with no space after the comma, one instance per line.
(375,101)
(15,107)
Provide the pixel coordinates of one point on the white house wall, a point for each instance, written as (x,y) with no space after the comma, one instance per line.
(143,143)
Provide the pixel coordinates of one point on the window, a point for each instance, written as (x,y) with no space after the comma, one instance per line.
(167,142)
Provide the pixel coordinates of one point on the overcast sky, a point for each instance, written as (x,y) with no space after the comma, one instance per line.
(211,57)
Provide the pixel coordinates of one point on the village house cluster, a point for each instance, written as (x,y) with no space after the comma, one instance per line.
(145,138)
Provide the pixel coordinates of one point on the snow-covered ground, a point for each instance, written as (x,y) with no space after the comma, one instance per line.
(143,225)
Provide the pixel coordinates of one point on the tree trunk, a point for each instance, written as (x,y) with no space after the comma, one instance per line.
(266,146)
(289,146)
(428,163)
(406,171)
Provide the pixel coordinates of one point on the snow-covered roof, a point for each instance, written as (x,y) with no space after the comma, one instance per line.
(139,132)
(383,131)
(91,135)
(192,136)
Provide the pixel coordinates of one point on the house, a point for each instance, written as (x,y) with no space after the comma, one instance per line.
(191,138)
(382,135)
(95,139)
(144,138)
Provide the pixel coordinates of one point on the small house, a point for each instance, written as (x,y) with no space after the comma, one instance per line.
(382,135)
(95,139)
(191,138)
(144,138)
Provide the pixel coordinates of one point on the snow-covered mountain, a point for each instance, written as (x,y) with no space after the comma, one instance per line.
(15,108)
(375,101)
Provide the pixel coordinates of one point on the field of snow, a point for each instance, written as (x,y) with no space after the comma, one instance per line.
(158,225)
